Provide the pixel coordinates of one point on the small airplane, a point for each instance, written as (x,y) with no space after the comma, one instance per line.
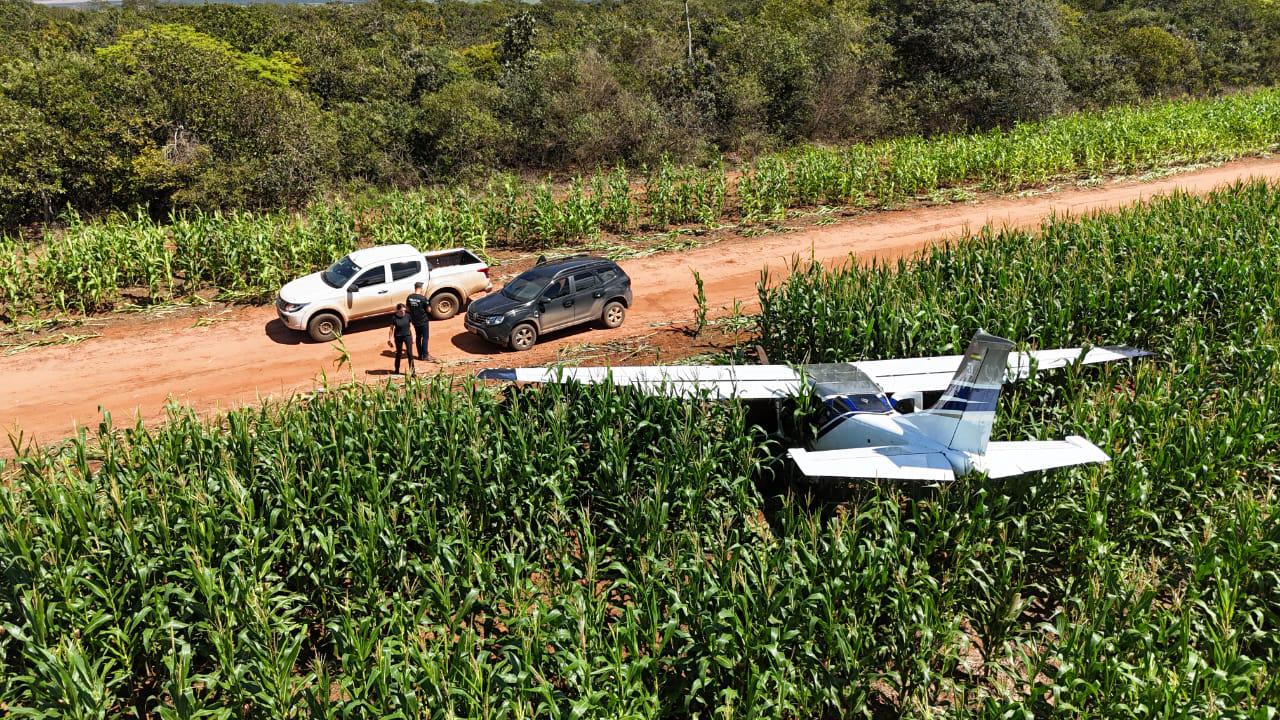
(862,434)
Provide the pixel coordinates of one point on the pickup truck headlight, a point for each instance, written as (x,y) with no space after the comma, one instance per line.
(493,319)
(291,307)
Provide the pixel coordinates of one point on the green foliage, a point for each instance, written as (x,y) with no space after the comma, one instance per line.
(700,302)
(251,255)
(143,50)
(578,551)
(1160,60)
(968,63)
(237,107)
(1139,277)
(458,127)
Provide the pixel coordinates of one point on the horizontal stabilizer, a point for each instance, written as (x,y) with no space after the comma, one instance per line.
(1005,459)
(721,382)
(875,463)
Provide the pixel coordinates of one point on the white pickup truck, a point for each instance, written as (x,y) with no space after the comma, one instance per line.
(372,281)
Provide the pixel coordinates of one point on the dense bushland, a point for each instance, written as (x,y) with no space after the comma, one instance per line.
(426,551)
(93,266)
(259,106)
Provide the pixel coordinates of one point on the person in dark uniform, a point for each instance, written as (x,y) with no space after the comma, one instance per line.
(419,306)
(401,331)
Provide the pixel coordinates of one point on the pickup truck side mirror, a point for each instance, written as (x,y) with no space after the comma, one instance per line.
(353,288)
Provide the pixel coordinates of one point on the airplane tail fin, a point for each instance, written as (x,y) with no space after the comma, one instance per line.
(963,416)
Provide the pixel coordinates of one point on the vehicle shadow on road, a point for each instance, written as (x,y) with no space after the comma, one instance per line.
(282,335)
(476,345)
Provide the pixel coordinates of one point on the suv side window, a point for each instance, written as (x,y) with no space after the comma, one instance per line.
(608,275)
(584,280)
(372,276)
(402,270)
(557,288)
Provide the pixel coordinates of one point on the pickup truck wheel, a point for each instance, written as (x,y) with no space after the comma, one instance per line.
(444,305)
(523,337)
(324,327)
(613,315)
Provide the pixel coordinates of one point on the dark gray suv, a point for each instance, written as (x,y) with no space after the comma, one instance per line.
(552,296)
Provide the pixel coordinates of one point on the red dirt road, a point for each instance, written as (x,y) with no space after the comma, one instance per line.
(136,367)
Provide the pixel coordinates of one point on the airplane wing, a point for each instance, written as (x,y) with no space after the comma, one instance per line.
(933,374)
(719,382)
(767,382)
(875,463)
(1005,459)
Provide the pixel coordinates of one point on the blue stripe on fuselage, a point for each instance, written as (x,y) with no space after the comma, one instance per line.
(968,398)
(833,423)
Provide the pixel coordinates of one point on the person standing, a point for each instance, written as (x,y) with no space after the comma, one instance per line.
(401,331)
(419,309)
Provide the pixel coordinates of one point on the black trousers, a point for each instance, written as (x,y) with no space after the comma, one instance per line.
(404,341)
(424,333)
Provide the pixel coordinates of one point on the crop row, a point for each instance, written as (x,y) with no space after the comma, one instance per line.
(92,266)
(427,551)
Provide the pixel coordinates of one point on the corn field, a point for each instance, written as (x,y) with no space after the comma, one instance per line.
(427,551)
(90,267)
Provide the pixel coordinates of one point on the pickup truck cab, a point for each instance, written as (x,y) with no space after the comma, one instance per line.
(372,281)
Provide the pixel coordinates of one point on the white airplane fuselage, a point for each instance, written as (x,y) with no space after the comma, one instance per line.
(891,429)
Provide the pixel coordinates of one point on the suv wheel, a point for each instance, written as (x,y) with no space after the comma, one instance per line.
(324,327)
(444,305)
(523,337)
(613,315)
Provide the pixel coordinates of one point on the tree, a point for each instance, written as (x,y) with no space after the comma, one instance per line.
(234,122)
(965,63)
(1160,61)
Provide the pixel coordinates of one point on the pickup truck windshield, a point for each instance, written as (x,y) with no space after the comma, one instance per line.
(524,289)
(340,273)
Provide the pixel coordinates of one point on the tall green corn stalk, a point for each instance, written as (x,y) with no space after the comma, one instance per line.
(423,549)
(93,266)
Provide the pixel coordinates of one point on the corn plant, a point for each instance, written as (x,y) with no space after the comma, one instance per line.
(428,549)
(94,266)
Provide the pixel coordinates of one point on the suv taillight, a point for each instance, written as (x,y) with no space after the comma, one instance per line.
(485,270)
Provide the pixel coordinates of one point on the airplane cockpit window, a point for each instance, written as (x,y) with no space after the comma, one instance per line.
(840,379)
(862,403)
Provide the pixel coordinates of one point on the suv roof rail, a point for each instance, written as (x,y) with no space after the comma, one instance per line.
(543,259)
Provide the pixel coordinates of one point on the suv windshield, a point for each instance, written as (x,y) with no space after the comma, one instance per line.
(524,289)
(340,272)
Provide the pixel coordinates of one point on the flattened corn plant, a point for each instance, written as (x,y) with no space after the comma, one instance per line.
(578,552)
(94,266)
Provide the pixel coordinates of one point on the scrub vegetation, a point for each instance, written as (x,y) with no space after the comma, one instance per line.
(90,266)
(266,106)
(425,550)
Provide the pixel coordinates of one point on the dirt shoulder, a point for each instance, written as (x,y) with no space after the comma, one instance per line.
(216,359)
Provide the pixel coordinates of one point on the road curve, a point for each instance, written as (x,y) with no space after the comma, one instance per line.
(135,368)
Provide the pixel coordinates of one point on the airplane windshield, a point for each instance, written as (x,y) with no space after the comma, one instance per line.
(833,379)
(861,403)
